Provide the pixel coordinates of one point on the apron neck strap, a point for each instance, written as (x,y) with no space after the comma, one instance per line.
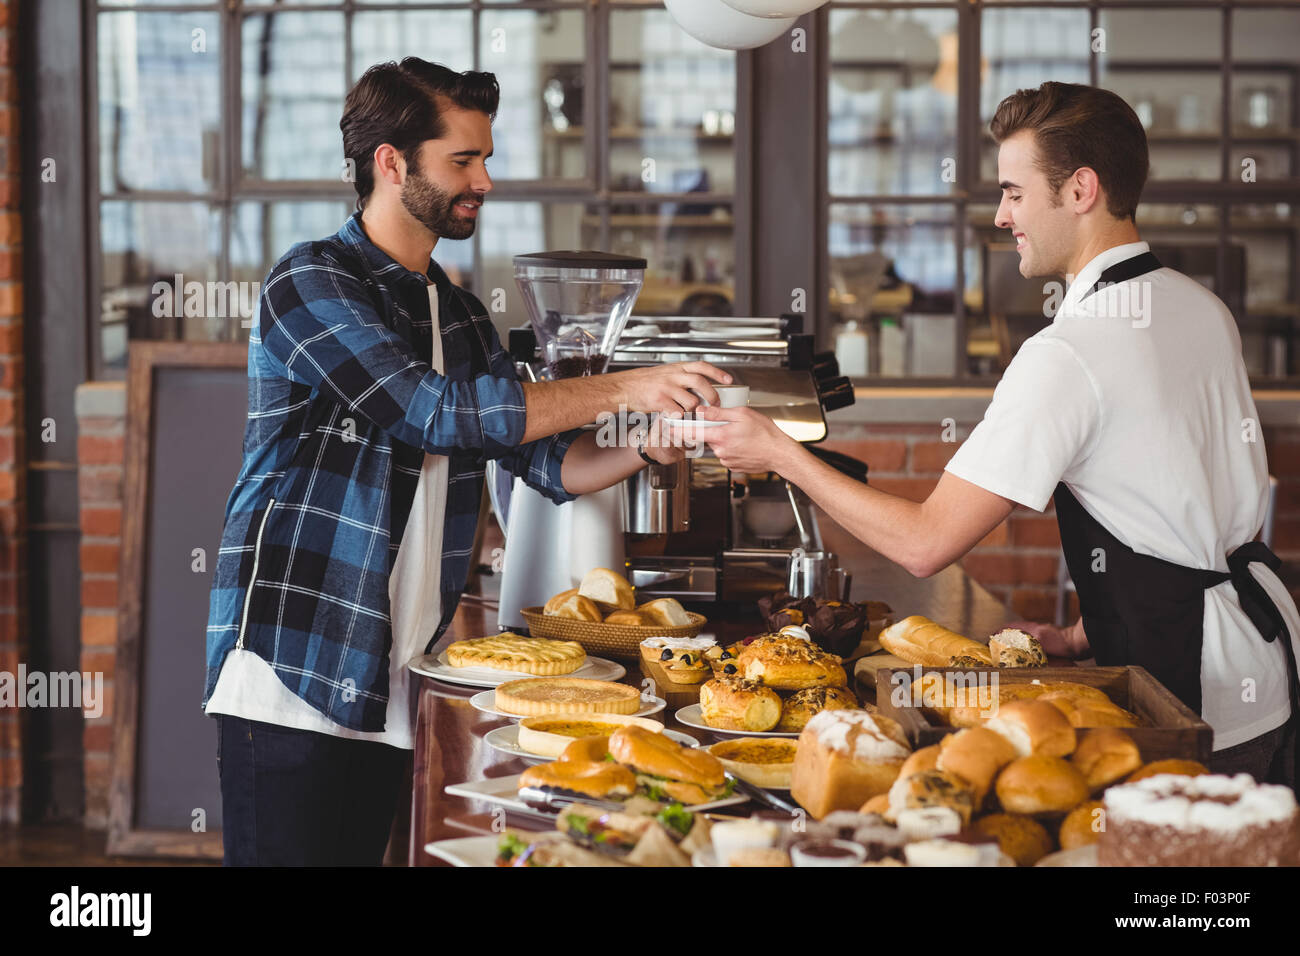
(1123,271)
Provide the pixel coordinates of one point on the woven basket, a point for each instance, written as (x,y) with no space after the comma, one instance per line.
(615,640)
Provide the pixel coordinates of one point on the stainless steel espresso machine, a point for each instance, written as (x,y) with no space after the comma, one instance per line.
(692,531)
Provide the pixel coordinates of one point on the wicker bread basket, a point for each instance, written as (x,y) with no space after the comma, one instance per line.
(615,640)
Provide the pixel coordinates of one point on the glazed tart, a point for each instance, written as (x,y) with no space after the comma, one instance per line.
(763,761)
(526,655)
(566,695)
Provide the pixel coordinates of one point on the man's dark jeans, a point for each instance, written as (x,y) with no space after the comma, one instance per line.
(300,798)
(1269,758)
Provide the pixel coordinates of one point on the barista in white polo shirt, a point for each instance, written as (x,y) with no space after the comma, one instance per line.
(1132,410)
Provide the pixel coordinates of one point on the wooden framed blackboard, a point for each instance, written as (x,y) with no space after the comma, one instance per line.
(187,404)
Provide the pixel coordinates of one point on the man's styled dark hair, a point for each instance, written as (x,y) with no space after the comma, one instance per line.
(401,104)
(1076,126)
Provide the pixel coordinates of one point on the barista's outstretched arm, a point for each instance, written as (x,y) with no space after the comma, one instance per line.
(924,537)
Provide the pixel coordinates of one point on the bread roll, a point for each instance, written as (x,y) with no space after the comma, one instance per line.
(1187,768)
(1082,825)
(932,788)
(608,587)
(844,758)
(918,640)
(1022,838)
(554,603)
(576,608)
(921,760)
(665,612)
(975,754)
(1040,784)
(733,703)
(801,706)
(1034,727)
(628,619)
(877,804)
(1082,712)
(1104,756)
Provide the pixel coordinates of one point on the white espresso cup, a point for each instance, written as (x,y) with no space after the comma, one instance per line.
(732,396)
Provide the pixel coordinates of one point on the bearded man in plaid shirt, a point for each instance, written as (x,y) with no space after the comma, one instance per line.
(377,390)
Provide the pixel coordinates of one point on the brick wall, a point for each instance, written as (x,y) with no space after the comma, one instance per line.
(1016,561)
(101,429)
(13,504)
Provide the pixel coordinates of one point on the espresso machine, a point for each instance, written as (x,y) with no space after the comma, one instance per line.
(693,530)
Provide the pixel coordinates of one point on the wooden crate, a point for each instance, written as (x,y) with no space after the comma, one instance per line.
(1173,731)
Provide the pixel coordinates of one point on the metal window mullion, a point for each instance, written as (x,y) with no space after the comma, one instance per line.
(821,44)
(1225,143)
(599,125)
(94,242)
(1094,58)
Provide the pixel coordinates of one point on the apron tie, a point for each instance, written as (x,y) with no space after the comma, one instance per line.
(1255,601)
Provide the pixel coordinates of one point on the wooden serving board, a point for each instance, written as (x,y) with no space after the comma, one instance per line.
(1173,730)
(677,694)
(866,668)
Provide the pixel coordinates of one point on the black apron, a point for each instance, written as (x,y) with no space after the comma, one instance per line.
(1145,611)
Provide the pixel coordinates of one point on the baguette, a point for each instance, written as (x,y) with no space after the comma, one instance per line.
(918,640)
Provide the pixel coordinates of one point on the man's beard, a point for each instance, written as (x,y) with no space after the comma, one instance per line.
(435,208)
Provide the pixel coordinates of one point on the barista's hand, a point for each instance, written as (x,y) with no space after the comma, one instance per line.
(665,388)
(749,442)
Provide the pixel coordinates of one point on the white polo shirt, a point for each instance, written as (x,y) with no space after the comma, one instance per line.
(1138,399)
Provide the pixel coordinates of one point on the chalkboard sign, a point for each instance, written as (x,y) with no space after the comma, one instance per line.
(186,408)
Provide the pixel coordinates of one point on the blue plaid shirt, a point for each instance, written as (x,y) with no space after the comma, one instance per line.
(342,407)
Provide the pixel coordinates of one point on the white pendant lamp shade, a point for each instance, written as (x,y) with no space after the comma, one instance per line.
(774,9)
(714,23)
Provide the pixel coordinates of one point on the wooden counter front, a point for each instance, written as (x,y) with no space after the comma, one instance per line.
(449,745)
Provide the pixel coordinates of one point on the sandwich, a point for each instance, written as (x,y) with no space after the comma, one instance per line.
(667,771)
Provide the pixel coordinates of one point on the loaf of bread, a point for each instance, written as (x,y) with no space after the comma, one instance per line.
(733,703)
(664,612)
(608,587)
(844,758)
(554,603)
(575,607)
(918,640)
(801,706)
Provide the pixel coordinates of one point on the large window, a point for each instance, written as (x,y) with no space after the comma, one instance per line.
(922,285)
(219,147)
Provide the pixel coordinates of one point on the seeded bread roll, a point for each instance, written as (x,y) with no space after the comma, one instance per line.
(1014,648)
(932,788)
(918,640)
(801,706)
(733,703)
(1104,756)
(844,758)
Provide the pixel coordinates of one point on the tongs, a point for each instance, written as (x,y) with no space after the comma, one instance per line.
(759,795)
(557,799)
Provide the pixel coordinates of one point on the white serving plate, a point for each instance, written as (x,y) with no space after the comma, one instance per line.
(691,717)
(693,422)
(506,740)
(466,851)
(485,701)
(437,666)
(504,792)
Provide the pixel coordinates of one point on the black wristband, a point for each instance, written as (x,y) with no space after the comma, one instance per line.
(640,450)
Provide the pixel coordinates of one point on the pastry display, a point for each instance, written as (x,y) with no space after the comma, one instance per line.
(734,703)
(511,652)
(1207,820)
(918,640)
(686,660)
(803,705)
(535,696)
(786,662)
(1040,784)
(763,761)
(548,736)
(844,758)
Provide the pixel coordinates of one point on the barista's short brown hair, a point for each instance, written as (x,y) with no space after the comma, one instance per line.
(1076,126)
